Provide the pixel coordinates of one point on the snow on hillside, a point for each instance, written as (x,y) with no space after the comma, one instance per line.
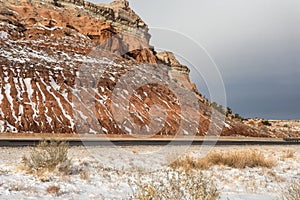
(36,84)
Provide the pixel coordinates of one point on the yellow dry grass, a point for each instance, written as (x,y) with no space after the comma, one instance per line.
(234,159)
(289,153)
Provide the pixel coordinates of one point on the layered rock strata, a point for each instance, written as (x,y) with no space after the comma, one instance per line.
(71,66)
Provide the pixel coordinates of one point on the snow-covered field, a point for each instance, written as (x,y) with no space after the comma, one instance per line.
(111,173)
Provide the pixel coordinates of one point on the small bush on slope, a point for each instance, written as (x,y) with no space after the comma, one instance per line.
(48,157)
(235,159)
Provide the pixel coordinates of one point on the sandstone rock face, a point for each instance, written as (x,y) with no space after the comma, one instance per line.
(116,28)
(76,67)
(178,71)
(169,58)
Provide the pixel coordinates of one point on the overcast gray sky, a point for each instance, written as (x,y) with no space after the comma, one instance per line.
(255,44)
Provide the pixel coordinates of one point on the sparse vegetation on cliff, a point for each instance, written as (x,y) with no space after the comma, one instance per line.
(266,123)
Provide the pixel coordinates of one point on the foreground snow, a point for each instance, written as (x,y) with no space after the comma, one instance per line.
(112,173)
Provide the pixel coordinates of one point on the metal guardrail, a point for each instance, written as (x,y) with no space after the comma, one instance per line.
(291,139)
(12,142)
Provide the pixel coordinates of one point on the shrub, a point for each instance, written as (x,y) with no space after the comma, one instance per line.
(68,33)
(188,163)
(237,116)
(236,159)
(292,192)
(289,153)
(53,190)
(266,123)
(55,2)
(228,111)
(178,185)
(219,108)
(48,156)
(286,126)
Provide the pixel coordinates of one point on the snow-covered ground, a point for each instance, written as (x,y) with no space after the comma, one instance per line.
(111,172)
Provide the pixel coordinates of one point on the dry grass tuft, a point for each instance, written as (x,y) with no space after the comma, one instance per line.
(178,185)
(2,172)
(46,157)
(188,163)
(235,159)
(289,153)
(53,190)
(292,192)
(85,175)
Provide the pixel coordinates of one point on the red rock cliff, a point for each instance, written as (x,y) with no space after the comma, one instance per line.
(76,67)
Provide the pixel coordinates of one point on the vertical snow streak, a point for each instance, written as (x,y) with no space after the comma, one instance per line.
(7,89)
(49,119)
(30,93)
(60,105)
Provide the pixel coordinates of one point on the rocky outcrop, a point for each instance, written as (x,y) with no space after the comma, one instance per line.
(77,67)
(59,68)
(168,58)
(116,28)
(178,71)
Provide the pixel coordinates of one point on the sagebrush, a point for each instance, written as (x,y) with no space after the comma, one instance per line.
(48,156)
(292,192)
(177,185)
